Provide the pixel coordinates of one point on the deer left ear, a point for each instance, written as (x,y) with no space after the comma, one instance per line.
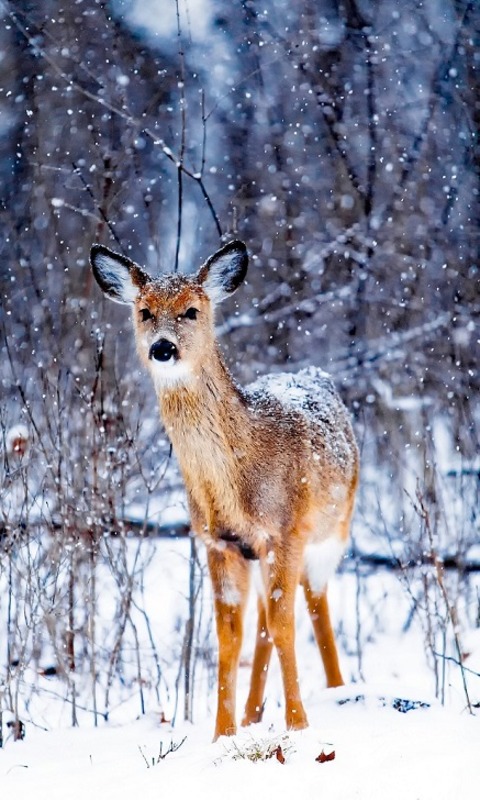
(223,273)
(118,277)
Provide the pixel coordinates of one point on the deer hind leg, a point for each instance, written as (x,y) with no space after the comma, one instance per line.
(229,573)
(261,659)
(320,562)
(324,635)
(281,584)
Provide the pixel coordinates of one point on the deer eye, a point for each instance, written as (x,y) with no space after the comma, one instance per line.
(145,314)
(191,313)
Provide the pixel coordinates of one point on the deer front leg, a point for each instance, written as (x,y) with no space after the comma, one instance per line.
(261,659)
(229,572)
(282,582)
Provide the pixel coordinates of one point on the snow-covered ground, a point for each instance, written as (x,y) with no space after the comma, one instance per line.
(379,753)
(426,752)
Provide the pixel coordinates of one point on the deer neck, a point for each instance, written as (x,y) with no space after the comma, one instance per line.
(207,421)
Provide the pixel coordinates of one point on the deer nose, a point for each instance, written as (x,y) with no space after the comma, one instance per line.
(163,350)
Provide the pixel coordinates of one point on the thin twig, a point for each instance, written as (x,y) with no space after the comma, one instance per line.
(100,210)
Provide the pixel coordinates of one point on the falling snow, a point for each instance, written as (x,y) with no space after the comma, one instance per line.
(340,142)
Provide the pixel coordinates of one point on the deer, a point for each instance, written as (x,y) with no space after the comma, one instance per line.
(270,471)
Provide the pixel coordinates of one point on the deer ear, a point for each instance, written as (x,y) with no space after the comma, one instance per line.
(118,277)
(224,271)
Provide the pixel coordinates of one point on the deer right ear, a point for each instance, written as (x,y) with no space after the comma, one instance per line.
(118,277)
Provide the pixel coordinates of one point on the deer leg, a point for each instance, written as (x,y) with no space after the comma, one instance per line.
(261,659)
(282,582)
(322,628)
(229,572)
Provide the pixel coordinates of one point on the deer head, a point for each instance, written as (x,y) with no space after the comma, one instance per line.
(172,315)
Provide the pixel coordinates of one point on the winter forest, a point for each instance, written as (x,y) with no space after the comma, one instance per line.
(339,140)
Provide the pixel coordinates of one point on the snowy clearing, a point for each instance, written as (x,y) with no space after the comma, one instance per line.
(379,753)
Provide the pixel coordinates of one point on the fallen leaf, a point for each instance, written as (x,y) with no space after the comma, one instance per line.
(325,756)
(279,755)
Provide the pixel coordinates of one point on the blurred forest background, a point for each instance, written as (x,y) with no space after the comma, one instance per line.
(339,140)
